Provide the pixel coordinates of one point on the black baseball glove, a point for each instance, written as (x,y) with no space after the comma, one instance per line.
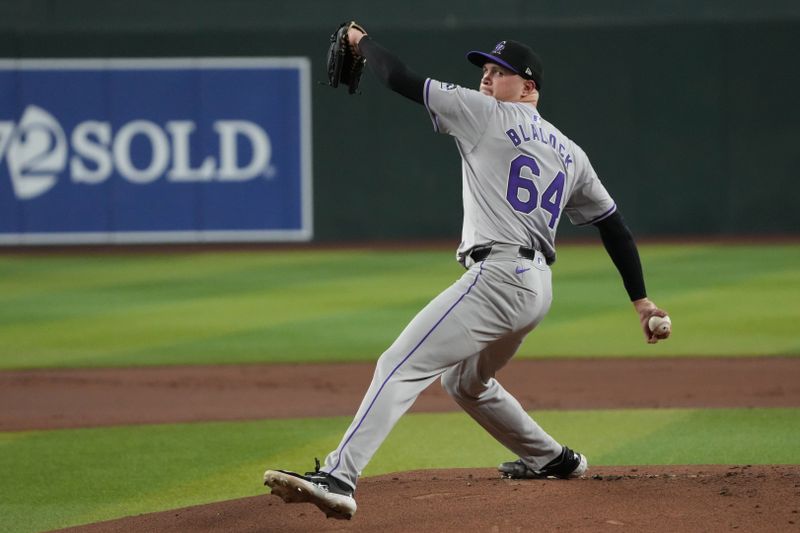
(345,65)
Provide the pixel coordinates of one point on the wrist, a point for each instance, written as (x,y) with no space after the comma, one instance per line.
(643,304)
(355,36)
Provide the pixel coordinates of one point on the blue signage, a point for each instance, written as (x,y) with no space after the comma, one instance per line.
(155,150)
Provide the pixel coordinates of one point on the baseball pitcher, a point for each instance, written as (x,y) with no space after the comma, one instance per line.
(520,176)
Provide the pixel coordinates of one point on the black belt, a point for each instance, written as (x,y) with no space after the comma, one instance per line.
(479,254)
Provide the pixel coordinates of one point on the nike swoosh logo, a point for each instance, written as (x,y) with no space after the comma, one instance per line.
(520,270)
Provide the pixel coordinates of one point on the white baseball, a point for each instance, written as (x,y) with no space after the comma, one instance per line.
(659,325)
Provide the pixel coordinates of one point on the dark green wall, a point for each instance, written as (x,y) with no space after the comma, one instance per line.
(687,109)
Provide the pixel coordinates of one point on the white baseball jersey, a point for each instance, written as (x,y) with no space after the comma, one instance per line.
(519,171)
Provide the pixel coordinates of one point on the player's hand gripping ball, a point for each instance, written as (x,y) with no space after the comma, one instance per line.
(661,326)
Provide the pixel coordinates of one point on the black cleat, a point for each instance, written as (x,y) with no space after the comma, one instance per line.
(333,497)
(568,464)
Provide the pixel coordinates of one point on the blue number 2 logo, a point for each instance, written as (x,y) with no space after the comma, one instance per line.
(551,198)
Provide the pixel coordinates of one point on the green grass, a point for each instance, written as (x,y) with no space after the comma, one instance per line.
(67,477)
(312,305)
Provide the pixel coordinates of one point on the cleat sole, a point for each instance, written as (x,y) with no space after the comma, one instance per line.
(292,489)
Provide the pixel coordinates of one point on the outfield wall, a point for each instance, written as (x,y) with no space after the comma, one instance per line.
(687,111)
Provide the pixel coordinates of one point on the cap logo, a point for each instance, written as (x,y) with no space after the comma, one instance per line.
(499,47)
(528,71)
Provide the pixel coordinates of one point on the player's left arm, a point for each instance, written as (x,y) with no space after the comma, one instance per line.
(388,68)
(453,110)
(621,247)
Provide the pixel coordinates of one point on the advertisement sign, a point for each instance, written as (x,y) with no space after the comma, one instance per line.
(155,150)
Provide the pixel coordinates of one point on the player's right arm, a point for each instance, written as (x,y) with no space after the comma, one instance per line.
(621,247)
(590,204)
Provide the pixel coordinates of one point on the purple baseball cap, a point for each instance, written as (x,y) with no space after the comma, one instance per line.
(514,56)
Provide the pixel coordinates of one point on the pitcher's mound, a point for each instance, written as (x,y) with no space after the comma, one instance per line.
(645,498)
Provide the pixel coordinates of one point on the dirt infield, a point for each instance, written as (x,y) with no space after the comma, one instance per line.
(48,399)
(653,499)
(630,498)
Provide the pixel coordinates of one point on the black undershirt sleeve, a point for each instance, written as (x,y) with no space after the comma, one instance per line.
(619,243)
(391,71)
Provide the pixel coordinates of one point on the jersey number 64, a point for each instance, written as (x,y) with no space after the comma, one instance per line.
(550,198)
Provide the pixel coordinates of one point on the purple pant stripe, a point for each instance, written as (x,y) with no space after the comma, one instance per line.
(385,381)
